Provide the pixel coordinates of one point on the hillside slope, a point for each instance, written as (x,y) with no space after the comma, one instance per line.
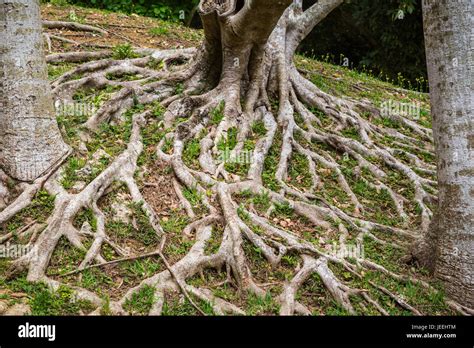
(130,243)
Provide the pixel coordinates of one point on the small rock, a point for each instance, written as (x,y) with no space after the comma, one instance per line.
(4,195)
(98,155)
(79,186)
(86,227)
(84,172)
(3,307)
(84,137)
(19,309)
(121,212)
(82,148)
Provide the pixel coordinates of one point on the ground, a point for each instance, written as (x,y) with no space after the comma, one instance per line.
(129,228)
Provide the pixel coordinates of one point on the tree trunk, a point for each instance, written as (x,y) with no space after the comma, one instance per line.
(30,141)
(449,245)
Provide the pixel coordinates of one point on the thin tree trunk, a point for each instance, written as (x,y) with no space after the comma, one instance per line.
(30,141)
(449,245)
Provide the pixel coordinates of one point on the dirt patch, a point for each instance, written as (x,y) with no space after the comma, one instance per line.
(158,189)
(132,29)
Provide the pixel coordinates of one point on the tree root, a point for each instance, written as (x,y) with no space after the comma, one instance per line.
(186,118)
(73,26)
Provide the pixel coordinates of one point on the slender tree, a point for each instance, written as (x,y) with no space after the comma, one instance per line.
(448,248)
(30,141)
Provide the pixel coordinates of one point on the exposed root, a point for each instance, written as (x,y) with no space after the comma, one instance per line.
(191,116)
(73,26)
(29,192)
(77,57)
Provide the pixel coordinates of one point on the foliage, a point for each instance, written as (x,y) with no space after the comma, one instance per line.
(174,10)
(381,37)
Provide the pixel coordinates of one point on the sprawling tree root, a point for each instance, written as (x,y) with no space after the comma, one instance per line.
(267,70)
(73,26)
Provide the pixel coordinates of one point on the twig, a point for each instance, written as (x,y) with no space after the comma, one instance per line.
(155,253)
(131,258)
(6,237)
(183,290)
(397,299)
(73,26)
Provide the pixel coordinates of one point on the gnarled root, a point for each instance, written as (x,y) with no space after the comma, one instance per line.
(210,113)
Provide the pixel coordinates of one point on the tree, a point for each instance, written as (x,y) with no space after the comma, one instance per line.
(242,82)
(383,36)
(30,141)
(448,247)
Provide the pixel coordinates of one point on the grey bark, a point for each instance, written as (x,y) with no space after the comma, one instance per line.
(448,249)
(30,140)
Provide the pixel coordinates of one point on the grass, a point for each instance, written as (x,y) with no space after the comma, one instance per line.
(45,302)
(123,76)
(271,162)
(39,210)
(283,210)
(195,199)
(262,201)
(217,114)
(60,302)
(73,165)
(139,269)
(229,141)
(257,305)
(124,51)
(145,232)
(66,258)
(95,279)
(180,306)
(191,153)
(213,243)
(55,71)
(298,172)
(86,215)
(141,302)
(159,31)
(258,127)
